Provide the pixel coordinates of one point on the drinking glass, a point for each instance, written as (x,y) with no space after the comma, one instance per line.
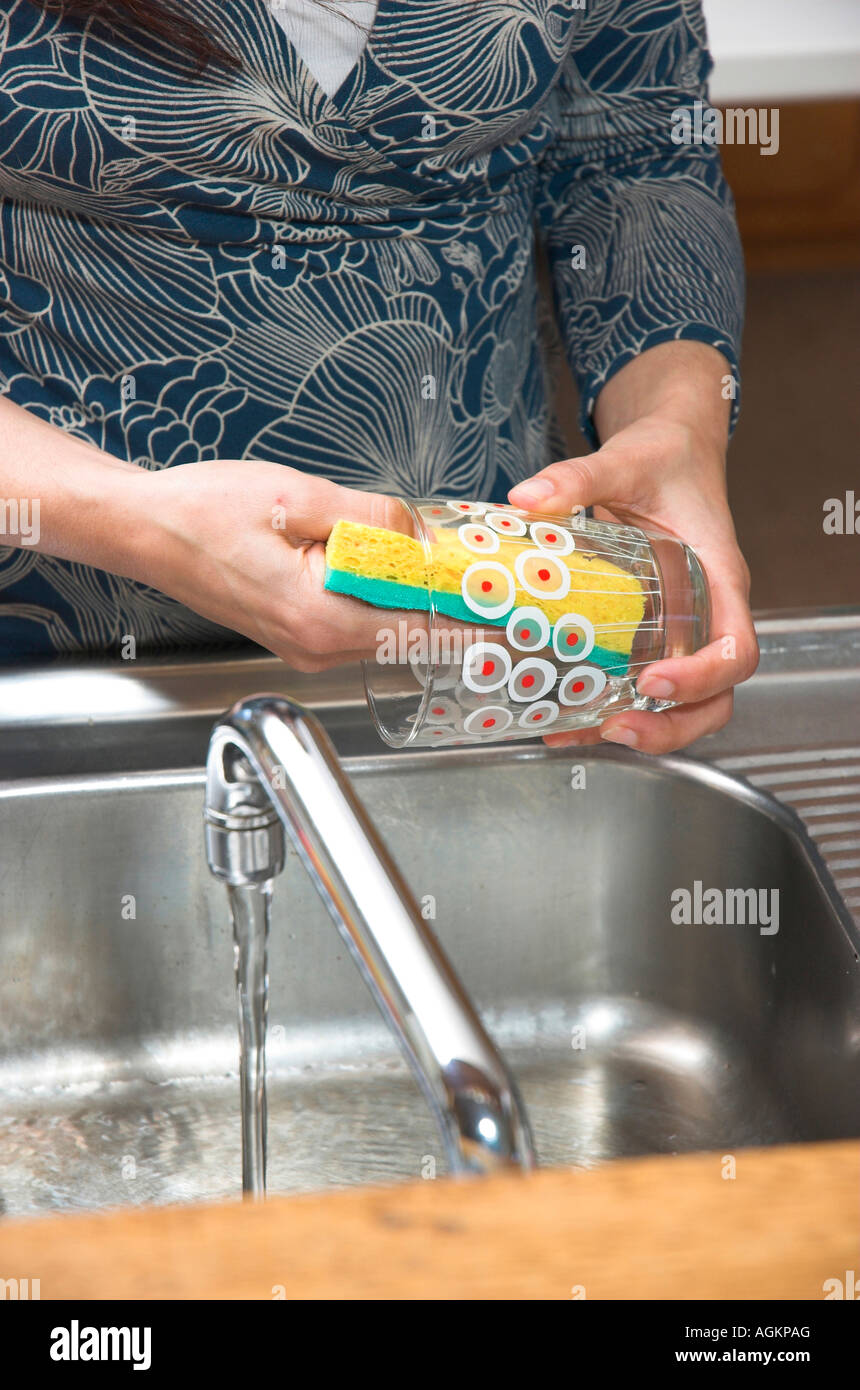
(512,623)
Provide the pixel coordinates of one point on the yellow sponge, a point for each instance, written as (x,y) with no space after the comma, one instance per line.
(392,570)
(376,553)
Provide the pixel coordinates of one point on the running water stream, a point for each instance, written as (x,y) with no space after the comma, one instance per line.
(250,909)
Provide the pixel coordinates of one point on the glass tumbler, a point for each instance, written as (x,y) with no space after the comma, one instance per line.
(511,624)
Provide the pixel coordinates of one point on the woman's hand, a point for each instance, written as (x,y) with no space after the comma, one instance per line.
(243,544)
(240,542)
(666,467)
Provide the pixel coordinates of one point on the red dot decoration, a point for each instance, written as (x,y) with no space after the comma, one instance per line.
(552,538)
(582,685)
(572,637)
(486,666)
(528,629)
(477,538)
(488,722)
(531,678)
(540,712)
(542,574)
(488,588)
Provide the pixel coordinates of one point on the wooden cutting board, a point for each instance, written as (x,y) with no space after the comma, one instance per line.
(654,1228)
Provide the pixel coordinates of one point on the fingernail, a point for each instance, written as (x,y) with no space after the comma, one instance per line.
(535,490)
(620,734)
(657,686)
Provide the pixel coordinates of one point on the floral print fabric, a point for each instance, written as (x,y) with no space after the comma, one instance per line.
(237,265)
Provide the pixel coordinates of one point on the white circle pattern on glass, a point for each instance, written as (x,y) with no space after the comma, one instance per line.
(438,733)
(572,637)
(531,678)
(542,575)
(542,712)
(442,709)
(581,685)
(506,523)
(478,538)
(439,512)
(488,589)
(528,629)
(486,666)
(491,720)
(552,538)
(470,699)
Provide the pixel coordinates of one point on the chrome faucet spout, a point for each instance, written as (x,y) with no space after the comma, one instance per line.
(271,765)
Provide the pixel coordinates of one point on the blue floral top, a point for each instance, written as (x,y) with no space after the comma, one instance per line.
(235,264)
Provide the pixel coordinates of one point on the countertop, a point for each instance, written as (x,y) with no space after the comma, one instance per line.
(655,1228)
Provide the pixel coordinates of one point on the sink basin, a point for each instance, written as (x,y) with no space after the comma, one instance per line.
(549,876)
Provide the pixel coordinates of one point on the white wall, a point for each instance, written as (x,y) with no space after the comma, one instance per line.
(778,49)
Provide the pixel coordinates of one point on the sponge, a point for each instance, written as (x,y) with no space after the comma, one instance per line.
(381,567)
(391,570)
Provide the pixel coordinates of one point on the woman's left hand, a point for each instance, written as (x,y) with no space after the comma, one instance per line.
(662,472)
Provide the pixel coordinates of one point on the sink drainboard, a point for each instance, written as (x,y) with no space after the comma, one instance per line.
(823,787)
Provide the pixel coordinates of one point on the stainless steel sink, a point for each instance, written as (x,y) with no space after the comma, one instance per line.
(629,1032)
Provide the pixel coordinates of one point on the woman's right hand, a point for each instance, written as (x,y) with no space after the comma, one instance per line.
(243,543)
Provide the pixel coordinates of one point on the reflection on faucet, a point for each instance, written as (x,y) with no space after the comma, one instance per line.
(271,765)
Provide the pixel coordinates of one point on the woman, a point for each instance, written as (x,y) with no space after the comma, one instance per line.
(310,291)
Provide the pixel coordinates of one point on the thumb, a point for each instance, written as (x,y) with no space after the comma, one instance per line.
(603,477)
(313,505)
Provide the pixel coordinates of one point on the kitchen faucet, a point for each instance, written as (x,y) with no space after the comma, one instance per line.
(271,767)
